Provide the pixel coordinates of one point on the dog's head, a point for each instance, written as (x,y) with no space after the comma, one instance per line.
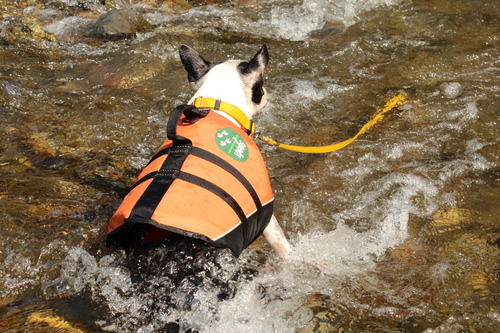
(233,81)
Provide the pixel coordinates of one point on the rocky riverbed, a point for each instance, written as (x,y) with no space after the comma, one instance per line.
(398,232)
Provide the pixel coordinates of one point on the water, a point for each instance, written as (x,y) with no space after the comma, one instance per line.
(398,232)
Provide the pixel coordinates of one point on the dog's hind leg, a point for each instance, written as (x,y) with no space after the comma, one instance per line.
(276,238)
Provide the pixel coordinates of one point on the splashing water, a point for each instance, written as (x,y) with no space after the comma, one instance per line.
(397,232)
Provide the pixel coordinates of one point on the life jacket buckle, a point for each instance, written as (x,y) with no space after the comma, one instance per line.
(193,114)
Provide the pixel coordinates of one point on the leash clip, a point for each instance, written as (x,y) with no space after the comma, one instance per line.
(257,135)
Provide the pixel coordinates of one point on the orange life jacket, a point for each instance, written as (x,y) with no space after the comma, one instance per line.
(207,181)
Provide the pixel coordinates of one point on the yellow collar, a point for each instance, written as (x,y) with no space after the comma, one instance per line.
(230,109)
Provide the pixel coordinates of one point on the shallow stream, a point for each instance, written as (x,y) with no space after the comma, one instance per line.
(398,232)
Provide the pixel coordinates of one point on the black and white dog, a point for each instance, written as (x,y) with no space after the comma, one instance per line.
(241,84)
(208,181)
(176,262)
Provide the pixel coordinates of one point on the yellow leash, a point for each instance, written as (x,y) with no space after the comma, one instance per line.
(391,104)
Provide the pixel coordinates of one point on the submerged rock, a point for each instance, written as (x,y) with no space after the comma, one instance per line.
(326,315)
(23,28)
(117,24)
(61,316)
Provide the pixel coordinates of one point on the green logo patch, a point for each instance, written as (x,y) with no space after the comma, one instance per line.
(230,142)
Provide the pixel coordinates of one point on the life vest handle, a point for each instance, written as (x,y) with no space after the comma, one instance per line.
(379,115)
(174,120)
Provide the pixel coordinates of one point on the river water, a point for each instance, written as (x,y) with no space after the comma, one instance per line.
(398,232)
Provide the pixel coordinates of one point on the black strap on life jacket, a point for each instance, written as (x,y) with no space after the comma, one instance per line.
(171,170)
(210,157)
(164,177)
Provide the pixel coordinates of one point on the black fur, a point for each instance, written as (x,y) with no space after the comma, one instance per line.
(259,61)
(194,63)
(258,91)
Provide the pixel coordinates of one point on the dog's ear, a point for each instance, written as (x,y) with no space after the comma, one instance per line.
(257,64)
(194,63)
(253,75)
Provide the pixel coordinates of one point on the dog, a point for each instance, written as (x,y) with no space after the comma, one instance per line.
(208,181)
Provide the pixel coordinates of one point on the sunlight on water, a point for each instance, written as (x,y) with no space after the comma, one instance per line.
(276,19)
(396,232)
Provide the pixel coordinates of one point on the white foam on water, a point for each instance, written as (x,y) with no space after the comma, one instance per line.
(347,12)
(308,90)
(68,27)
(451,89)
(18,274)
(401,149)
(247,312)
(158,18)
(284,20)
(467,113)
(296,22)
(319,263)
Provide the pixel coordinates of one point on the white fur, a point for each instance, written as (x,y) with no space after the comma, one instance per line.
(225,82)
(276,238)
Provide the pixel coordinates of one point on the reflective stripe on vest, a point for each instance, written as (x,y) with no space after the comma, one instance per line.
(213,185)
